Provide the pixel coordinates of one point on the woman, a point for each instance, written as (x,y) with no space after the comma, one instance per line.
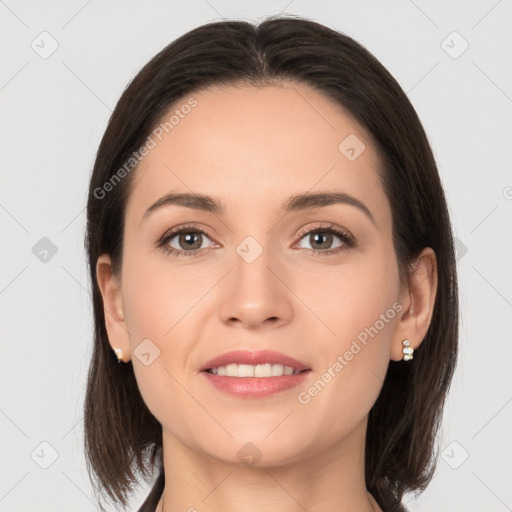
(274,281)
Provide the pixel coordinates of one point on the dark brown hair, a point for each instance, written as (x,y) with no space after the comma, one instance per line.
(122,437)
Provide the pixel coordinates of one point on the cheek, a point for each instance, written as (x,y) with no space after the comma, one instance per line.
(356,297)
(363,306)
(159,307)
(360,307)
(159,295)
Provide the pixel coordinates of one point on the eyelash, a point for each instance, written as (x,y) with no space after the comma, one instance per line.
(347,239)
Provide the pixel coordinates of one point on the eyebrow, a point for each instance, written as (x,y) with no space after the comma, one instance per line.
(294,203)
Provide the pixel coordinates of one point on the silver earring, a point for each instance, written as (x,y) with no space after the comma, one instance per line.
(407,350)
(119,355)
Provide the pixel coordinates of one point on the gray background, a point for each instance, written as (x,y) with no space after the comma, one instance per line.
(54,109)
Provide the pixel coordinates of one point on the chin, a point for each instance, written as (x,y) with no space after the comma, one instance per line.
(257,451)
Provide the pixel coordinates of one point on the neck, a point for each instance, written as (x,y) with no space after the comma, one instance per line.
(330,480)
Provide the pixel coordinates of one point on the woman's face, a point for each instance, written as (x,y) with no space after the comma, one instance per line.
(268,274)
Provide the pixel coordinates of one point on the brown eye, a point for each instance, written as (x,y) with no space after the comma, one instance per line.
(321,240)
(187,241)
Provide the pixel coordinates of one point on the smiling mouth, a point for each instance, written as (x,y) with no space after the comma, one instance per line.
(258,371)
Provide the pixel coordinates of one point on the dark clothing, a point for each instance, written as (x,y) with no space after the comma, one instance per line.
(154,496)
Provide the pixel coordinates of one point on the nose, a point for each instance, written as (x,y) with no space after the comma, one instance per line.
(256,294)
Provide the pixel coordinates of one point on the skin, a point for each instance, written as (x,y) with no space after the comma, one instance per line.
(252,148)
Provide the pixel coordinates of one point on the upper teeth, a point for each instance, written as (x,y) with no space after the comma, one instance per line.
(249,370)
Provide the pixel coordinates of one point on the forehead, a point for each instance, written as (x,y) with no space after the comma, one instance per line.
(254,146)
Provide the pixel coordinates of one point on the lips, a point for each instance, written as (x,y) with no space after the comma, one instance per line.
(263,357)
(254,374)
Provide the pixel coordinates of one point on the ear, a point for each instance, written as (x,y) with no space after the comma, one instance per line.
(417,301)
(115,322)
